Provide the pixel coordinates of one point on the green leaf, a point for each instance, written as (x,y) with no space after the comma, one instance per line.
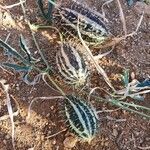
(28,81)
(47,15)
(17,67)
(26,50)
(145,83)
(147,2)
(138,97)
(13,52)
(24,47)
(125,77)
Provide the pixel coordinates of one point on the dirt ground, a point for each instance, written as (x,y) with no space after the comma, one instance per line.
(127,132)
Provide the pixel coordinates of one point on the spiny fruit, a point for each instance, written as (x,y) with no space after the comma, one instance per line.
(71,65)
(81,118)
(91,26)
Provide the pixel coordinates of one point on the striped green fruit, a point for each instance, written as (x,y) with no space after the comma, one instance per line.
(91,24)
(71,65)
(81,118)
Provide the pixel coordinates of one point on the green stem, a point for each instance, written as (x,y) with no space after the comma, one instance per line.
(41,54)
(121,105)
(54,83)
(129,109)
(45,27)
(45,72)
(134,105)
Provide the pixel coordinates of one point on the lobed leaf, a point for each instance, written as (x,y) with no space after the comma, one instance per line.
(137,97)
(130,2)
(145,83)
(25,49)
(28,81)
(17,67)
(13,52)
(47,15)
(125,78)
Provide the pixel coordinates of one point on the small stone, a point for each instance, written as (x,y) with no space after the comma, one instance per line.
(140,7)
(5,142)
(42,138)
(54,142)
(106,144)
(47,115)
(21,18)
(52,107)
(115,132)
(17,88)
(70,142)
(7,137)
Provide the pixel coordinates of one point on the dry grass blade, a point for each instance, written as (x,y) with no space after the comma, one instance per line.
(139,23)
(107,111)
(42,98)
(116,40)
(5,117)
(122,17)
(144,148)
(6,39)
(116,120)
(100,56)
(13,5)
(99,69)
(103,12)
(53,135)
(142,92)
(43,78)
(23,9)
(10,110)
(95,88)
